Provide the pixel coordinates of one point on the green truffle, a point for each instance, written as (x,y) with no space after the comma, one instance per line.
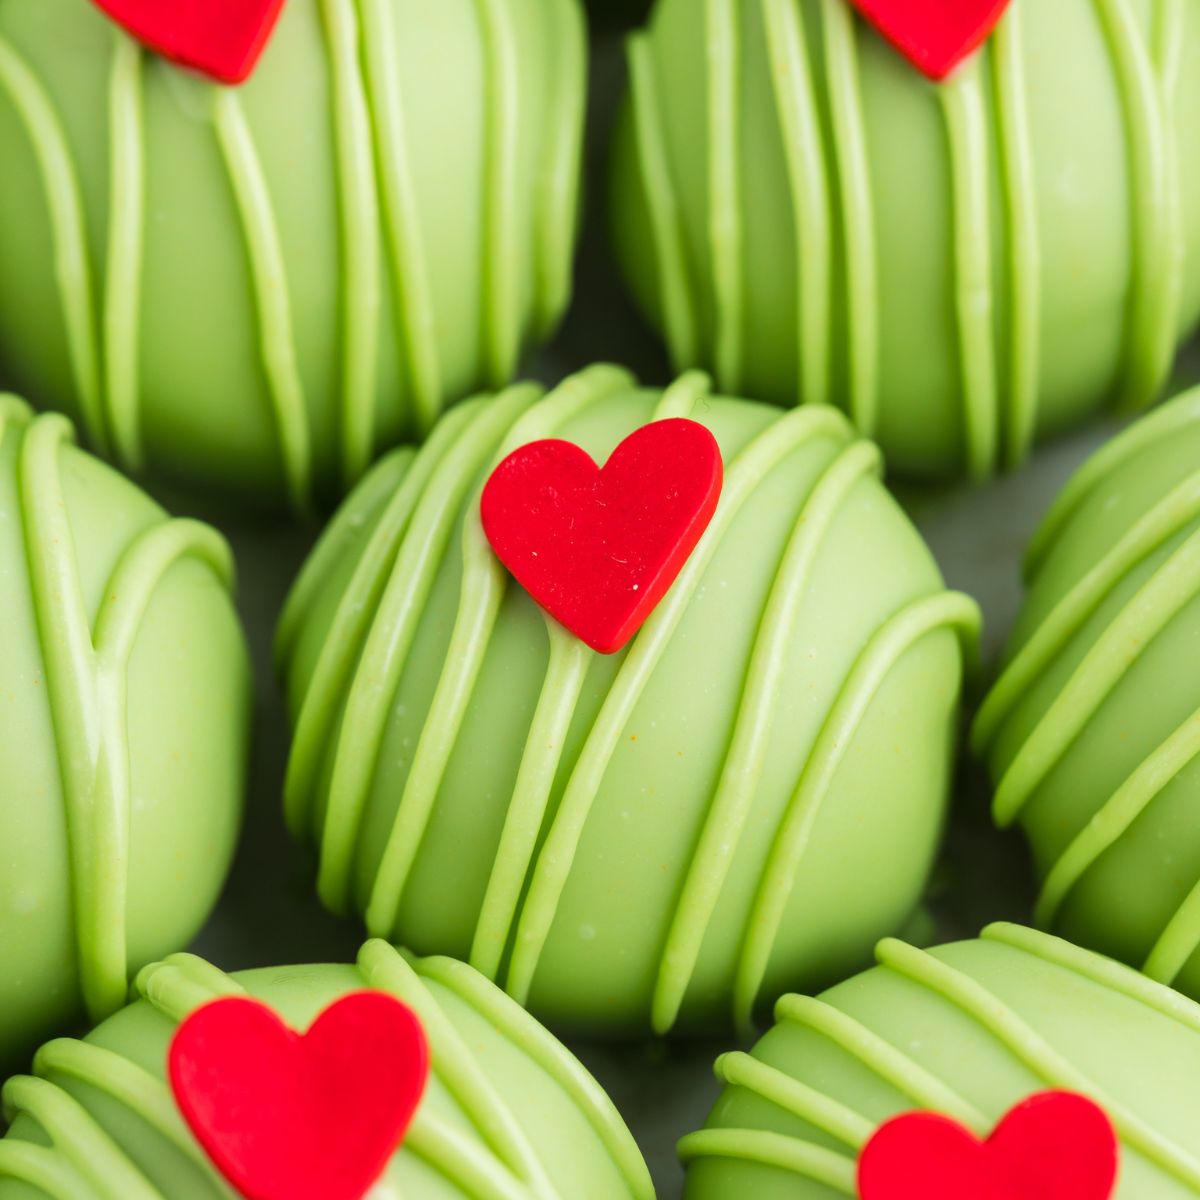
(254,290)
(508,1111)
(124,688)
(964,267)
(663,837)
(1093,729)
(968,1030)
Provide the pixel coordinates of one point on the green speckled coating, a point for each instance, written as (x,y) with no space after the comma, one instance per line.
(124,722)
(968,1030)
(666,837)
(803,212)
(254,290)
(1093,729)
(509,1114)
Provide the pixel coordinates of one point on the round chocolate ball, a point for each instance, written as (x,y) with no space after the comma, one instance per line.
(253,290)
(1092,731)
(124,686)
(668,836)
(508,1111)
(969,1031)
(963,266)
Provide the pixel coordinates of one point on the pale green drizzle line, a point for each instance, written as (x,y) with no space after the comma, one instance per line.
(268,271)
(1141,619)
(41,1167)
(858,213)
(962,102)
(361,282)
(1178,941)
(553,867)
(557,199)
(1157,281)
(808,178)
(484,582)
(64,203)
(1024,247)
(1114,818)
(126,230)
(1173,418)
(886,648)
(415,314)
(86,676)
(508,1018)
(742,770)
(725,238)
(1166,520)
(183,982)
(663,205)
(1034,1052)
(501,203)
(888,1062)
(768,1149)
(795,1098)
(355,613)
(455,1068)
(392,631)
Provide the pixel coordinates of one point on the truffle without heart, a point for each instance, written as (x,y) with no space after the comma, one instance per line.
(252,291)
(964,267)
(1092,731)
(666,836)
(507,1112)
(968,1030)
(124,731)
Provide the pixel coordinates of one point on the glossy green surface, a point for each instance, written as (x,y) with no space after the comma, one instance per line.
(124,691)
(968,1030)
(1093,729)
(674,835)
(509,1114)
(254,290)
(962,267)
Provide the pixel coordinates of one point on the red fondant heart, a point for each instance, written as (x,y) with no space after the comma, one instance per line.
(598,549)
(291,1117)
(934,35)
(1053,1146)
(220,38)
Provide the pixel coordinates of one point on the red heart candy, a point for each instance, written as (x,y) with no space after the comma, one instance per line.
(220,38)
(291,1117)
(934,35)
(598,549)
(1053,1146)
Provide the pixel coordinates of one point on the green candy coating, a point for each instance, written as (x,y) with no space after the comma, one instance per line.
(800,210)
(968,1030)
(124,687)
(254,290)
(663,836)
(1092,731)
(508,1111)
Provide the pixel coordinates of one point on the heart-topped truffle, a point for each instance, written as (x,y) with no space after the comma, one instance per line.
(1053,1146)
(292,1117)
(223,39)
(934,35)
(599,548)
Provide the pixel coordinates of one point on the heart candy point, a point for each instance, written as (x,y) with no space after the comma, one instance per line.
(598,548)
(222,39)
(286,1116)
(1052,1146)
(934,35)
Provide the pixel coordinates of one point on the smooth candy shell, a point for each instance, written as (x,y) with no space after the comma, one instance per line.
(184,739)
(723,160)
(568,1127)
(1131,1045)
(600,967)
(1110,801)
(484,270)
